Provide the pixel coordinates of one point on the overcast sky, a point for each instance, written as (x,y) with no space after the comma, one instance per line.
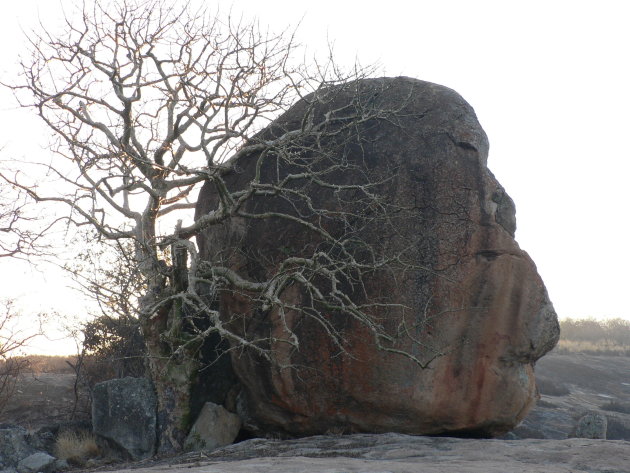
(549,80)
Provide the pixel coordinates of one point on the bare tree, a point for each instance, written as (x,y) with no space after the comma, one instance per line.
(19,235)
(148,101)
(12,338)
(110,343)
(105,272)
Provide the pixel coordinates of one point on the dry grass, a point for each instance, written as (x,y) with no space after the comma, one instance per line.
(39,364)
(76,447)
(51,364)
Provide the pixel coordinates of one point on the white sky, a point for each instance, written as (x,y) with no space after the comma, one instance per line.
(549,80)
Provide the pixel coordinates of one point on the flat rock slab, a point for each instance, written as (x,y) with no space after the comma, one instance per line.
(396,453)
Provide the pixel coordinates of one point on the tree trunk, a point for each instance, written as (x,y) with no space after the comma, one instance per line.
(172,365)
(172,374)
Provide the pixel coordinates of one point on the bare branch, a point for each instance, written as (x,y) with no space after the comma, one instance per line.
(147,103)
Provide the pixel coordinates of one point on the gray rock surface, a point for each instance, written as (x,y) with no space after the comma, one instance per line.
(397,453)
(14,445)
(215,427)
(37,462)
(573,384)
(545,423)
(124,413)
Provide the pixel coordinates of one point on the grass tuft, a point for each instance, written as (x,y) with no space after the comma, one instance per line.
(76,447)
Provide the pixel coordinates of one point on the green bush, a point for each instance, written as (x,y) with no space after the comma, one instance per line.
(113,347)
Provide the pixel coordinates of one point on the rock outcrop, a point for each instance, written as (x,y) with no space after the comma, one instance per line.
(124,414)
(479,313)
(14,445)
(396,453)
(20,452)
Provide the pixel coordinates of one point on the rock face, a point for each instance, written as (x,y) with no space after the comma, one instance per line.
(479,311)
(124,413)
(19,451)
(14,445)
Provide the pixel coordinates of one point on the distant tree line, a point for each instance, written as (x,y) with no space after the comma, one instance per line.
(612,333)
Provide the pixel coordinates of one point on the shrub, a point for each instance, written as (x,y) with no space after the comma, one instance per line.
(76,447)
(10,368)
(112,342)
(113,347)
(12,339)
(615,406)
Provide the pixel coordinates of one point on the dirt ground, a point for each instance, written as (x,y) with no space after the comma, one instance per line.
(587,381)
(43,399)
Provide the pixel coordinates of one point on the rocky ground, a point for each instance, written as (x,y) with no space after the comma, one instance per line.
(41,399)
(395,453)
(570,385)
(576,384)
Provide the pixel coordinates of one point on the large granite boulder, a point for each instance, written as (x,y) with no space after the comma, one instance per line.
(124,415)
(478,313)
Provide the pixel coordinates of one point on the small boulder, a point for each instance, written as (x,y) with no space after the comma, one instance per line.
(592,426)
(124,413)
(215,427)
(37,462)
(61,465)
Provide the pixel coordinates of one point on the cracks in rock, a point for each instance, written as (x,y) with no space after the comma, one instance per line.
(465,145)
